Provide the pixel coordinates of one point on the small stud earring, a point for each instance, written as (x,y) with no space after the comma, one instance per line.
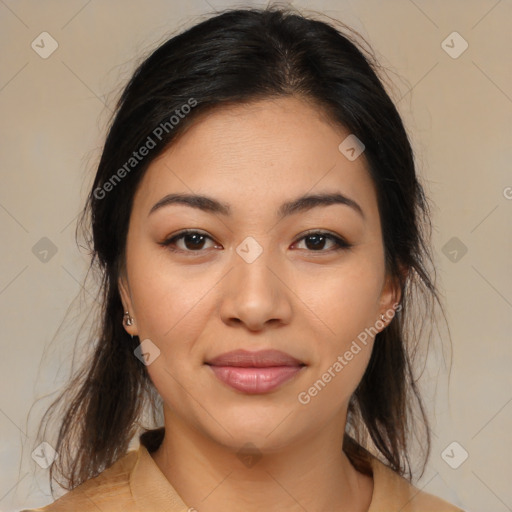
(128,319)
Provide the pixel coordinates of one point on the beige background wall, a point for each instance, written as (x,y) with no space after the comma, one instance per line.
(458,111)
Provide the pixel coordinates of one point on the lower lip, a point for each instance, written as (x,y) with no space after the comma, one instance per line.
(255,380)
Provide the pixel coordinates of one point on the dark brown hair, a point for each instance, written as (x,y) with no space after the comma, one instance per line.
(241,56)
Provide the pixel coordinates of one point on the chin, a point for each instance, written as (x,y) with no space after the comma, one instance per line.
(268,430)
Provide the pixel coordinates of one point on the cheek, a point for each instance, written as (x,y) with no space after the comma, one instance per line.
(343,347)
(346,300)
(345,307)
(174,325)
(168,304)
(165,295)
(172,306)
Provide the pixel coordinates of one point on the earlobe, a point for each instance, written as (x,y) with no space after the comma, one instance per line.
(128,319)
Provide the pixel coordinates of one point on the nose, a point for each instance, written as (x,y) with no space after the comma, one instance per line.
(256,294)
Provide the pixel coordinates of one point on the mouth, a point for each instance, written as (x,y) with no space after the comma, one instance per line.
(255,372)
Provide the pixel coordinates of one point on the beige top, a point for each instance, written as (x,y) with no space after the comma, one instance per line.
(135,484)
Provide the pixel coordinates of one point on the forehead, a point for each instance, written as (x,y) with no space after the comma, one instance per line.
(259,154)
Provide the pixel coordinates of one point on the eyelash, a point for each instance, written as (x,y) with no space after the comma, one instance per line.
(340,243)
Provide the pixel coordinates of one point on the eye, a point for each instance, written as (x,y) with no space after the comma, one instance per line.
(316,240)
(193,241)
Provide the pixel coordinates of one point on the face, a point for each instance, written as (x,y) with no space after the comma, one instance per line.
(308,280)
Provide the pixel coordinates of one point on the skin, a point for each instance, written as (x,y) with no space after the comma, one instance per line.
(309,302)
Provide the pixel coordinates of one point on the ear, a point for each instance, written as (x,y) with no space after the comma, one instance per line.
(125,294)
(391,295)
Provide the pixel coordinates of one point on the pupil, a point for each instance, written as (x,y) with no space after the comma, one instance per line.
(196,238)
(320,239)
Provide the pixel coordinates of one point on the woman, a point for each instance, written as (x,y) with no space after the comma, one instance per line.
(259,226)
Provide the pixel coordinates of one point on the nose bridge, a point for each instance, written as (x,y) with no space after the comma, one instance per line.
(253,293)
(252,275)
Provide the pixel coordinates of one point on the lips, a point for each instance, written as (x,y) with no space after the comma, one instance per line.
(255,372)
(260,359)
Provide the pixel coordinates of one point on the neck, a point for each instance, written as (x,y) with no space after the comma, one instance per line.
(312,473)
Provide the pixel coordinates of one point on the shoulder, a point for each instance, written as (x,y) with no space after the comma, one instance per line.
(394,493)
(109,491)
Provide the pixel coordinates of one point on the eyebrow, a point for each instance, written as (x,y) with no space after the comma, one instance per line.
(300,204)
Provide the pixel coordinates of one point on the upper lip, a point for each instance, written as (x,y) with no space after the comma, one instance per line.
(259,359)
